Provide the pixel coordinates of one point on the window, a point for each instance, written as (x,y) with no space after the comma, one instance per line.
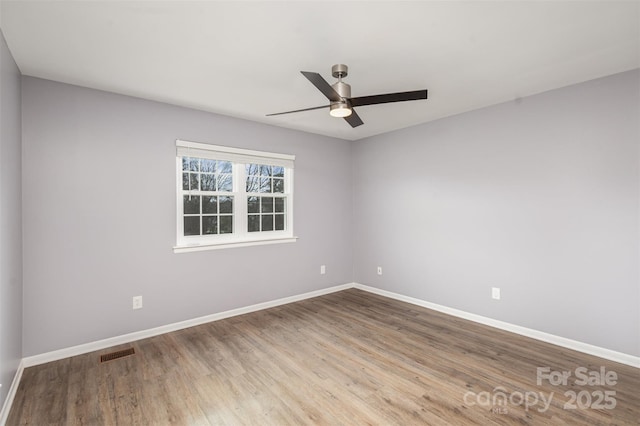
(232,197)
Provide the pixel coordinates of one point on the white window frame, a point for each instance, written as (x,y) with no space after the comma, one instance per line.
(240,236)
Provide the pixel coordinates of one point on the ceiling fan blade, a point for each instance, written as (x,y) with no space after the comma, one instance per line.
(354,119)
(298,110)
(389,97)
(322,85)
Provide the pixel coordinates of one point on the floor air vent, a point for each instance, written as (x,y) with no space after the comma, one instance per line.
(116,355)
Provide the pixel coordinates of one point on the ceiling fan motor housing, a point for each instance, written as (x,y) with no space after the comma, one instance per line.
(343,89)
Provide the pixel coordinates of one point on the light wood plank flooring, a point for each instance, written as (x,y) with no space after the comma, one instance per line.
(347,358)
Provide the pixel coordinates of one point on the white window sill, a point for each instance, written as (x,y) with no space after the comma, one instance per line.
(232,244)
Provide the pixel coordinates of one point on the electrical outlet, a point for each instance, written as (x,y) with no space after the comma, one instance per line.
(137,302)
(323,269)
(495,293)
(379,270)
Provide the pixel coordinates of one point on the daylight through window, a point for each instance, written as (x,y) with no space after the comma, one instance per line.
(230,197)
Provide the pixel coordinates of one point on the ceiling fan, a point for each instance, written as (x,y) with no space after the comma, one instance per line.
(339,94)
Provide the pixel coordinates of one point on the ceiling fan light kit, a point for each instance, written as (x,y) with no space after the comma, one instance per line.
(339,109)
(339,94)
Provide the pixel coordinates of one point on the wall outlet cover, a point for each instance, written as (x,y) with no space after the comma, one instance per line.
(495,293)
(137,302)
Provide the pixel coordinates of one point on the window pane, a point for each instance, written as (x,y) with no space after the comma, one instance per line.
(253,184)
(278,185)
(209,204)
(208,182)
(207,166)
(254,223)
(224,167)
(265,185)
(192,225)
(279,222)
(226,224)
(278,171)
(195,181)
(225,183)
(252,205)
(265,170)
(252,169)
(226,205)
(209,225)
(185,163)
(267,204)
(194,164)
(191,204)
(279,205)
(185,181)
(267,222)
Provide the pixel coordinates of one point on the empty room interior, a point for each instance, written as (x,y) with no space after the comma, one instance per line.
(304,212)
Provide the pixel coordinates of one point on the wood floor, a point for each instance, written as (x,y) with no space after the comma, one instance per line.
(347,358)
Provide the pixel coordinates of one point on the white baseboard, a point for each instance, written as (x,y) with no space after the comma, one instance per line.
(6,407)
(620,357)
(127,338)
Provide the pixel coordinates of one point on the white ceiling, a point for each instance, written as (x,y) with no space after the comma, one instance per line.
(243,58)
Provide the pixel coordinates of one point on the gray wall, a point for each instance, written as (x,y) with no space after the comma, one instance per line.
(99,217)
(10,220)
(538,197)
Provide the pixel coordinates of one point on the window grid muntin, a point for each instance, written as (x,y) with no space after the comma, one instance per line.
(218,175)
(264,210)
(220,216)
(264,178)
